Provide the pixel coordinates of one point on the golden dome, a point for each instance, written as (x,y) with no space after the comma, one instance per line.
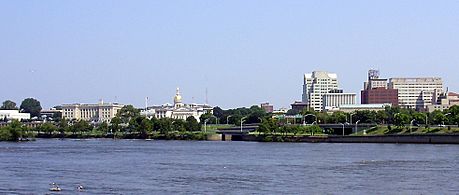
(178,97)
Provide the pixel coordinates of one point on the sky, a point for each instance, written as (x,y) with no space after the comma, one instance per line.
(243,52)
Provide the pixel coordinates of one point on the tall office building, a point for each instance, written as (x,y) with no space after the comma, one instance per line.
(376,91)
(416,93)
(317,84)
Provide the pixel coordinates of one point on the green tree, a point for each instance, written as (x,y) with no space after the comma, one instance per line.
(338,117)
(103,127)
(48,128)
(192,124)
(419,117)
(438,117)
(401,119)
(32,106)
(8,105)
(81,126)
(115,124)
(381,117)
(127,113)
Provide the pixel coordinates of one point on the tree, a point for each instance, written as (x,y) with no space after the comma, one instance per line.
(127,113)
(8,105)
(32,106)
(103,127)
(81,126)
(419,117)
(192,124)
(382,117)
(438,117)
(48,128)
(115,124)
(338,117)
(401,119)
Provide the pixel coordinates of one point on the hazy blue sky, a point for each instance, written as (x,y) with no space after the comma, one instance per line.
(244,52)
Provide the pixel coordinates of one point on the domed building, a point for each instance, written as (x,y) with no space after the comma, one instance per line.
(178,110)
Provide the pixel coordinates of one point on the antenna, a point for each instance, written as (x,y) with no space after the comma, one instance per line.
(207,100)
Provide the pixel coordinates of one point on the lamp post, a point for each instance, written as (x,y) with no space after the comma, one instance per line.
(227,119)
(350,117)
(312,124)
(242,121)
(411,125)
(343,127)
(205,125)
(356,127)
(445,116)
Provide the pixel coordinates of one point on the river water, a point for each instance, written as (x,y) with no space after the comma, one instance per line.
(105,166)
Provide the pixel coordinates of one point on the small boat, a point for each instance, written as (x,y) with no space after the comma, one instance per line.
(55,188)
(80,188)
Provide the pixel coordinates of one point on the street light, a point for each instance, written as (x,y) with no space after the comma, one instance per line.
(411,125)
(261,120)
(356,127)
(343,127)
(242,120)
(205,125)
(350,117)
(445,116)
(227,119)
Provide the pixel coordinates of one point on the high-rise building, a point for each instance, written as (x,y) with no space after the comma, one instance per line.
(376,91)
(416,93)
(317,84)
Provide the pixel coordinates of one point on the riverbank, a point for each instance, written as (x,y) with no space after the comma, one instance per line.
(405,139)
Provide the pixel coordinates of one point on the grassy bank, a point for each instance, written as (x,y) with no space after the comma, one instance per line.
(393,130)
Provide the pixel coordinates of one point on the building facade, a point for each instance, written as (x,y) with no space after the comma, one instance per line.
(416,93)
(361,107)
(178,110)
(267,107)
(334,100)
(100,112)
(444,101)
(13,115)
(376,91)
(315,85)
(379,96)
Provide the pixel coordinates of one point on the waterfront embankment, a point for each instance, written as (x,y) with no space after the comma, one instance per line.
(408,139)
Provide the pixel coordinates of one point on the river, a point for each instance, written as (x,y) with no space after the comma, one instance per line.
(105,166)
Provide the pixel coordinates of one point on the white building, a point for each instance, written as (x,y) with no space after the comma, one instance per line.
(178,110)
(13,115)
(444,101)
(317,84)
(100,112)
(361,107)
(332,101)
(416,93)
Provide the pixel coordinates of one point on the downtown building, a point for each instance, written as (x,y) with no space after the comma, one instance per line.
(336,98)
(320,92)
(417,93)
(100,112)
(376,91)
(178,110)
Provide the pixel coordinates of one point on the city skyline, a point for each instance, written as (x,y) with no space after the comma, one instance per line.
(83,51)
